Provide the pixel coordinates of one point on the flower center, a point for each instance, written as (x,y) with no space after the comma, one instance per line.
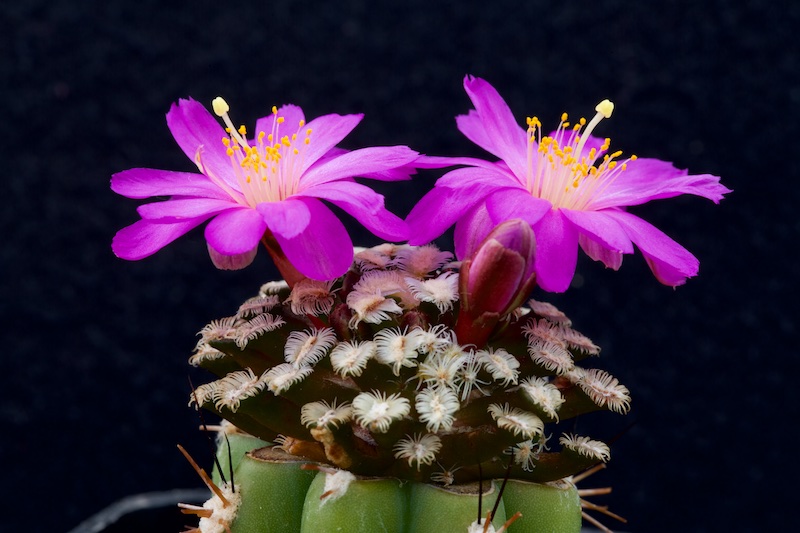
(269,170)
(562,171)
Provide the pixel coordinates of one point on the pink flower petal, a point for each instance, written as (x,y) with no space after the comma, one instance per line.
(441,207)
(231,262)
(653,179)
(471,230)
(357,163)
(326,132)
(288,218)
(507,204)
(601,237)
(144,238)
(196,129)
(473,129)
(323,250)
(494,175)
(430,161)
(236,231)
(598,252)
(556,251)
(292,115)
(670,262)
(177,209)
(401,173)
(509,140)
(600,228)
(363,204)
(147,182)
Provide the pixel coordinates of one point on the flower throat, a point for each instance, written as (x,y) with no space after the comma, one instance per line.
(560,172)
(269,170)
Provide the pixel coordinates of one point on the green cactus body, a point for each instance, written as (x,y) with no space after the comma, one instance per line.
(232,445)
(376,374)
(270,489)
(436,509)
(550,508)
(366,505)
(277,495)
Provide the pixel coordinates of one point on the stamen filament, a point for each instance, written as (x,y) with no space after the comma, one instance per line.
(267,171)
(221,108)
(559,171)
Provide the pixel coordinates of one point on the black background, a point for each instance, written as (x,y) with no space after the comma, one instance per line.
(94,376)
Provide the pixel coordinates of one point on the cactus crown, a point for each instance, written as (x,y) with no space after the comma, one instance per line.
(384,372)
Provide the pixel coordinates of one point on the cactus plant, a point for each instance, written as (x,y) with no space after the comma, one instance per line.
(401,388)
(365,378)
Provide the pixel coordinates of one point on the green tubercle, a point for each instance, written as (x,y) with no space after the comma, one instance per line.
(337,501)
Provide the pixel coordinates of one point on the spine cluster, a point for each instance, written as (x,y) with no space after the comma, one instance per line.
(366,373)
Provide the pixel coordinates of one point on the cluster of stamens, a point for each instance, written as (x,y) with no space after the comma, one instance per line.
(269,169)
(560,170)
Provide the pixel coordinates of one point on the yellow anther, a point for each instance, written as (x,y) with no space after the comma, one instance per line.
(605,108)
(269,137)
(301,123)
(274,110)
(229,151)
(307,140)
(296,151)
(308,132)
(564,117)
(294,136)
(616,154)
(634,157)
(582,121)
(242,130)
(566,125)
(220,106)
(226,141)
(281,120)
(261,136)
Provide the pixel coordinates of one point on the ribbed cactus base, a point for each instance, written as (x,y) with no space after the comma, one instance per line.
(277,495)
(553,507)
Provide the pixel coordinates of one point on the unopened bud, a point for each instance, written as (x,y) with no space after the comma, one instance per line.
(500,273)
(495,280)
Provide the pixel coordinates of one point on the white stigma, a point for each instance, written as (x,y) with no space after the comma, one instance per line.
(604,110)
(221,109)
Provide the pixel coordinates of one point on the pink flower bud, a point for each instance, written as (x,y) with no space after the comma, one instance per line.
(496,279)
(499,276)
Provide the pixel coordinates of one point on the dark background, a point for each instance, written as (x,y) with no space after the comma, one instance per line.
(94,376)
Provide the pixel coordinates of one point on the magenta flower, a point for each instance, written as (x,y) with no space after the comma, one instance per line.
(267,187)
(567,186)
